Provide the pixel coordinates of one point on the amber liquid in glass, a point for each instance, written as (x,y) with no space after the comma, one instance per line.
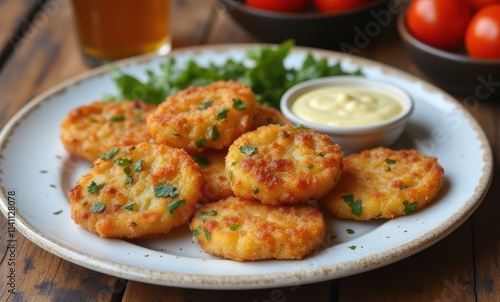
(114,29)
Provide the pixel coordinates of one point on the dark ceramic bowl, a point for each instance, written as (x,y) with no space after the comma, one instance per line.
(310,28)
(455,72)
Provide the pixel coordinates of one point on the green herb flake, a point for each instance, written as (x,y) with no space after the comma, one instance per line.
(300,127)
(200,143)
(196,231)
(352,247)
(138,165)
(234,227)
(321,154)
(350,231)
(211,213)
(93,187)
(230,176)
(94,120)
(130,207)
(57,212)
(128,180)
(222,113)
(174,205)
(248,150)
(234,163)
(137,119)
(97,207)
(256,190)
(201,160)
(390,161)
(214,133)
(356,206)
(206,103)
(238,104)
(126,170)
(403,187)
(133,224)
(175,133)
(44,171)
(388,168)
(122,161)
(207,234)
(166,190)
(310,166)
(117,118)
(53,186)
(409,207)
(110,154)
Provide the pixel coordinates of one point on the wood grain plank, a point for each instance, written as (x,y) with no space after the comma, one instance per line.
(146,292)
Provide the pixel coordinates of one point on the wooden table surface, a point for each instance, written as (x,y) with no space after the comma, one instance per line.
(38,49)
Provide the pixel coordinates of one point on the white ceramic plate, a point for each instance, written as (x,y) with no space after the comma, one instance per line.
(36,174)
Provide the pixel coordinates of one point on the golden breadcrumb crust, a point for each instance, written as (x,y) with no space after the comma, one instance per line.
(204,117)
(90,130)
(212,168)
(384,183)
(280,164)
(137,191)
(267,115)
(244,230)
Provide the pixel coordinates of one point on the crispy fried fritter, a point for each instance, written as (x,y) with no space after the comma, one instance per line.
(203,118)
(137,191)
(212,167)
(280,164)
(90,130)
(267,115)
(240,229)
(384,183)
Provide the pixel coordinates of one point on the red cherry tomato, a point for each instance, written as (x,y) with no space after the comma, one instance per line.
(482,39)
(439,23)
(338,5)
(477,4)
(279,5)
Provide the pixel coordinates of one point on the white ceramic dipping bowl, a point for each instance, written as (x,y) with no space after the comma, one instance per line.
(352,138)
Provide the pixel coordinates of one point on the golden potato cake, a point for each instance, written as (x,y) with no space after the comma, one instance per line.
(267,115)
(212,168)
(384,183)
(90,130)
(137,191)
(244,230)
(282,164)
(205,117)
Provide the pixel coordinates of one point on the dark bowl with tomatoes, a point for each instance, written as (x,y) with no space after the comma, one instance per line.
(455,71)
(337,30)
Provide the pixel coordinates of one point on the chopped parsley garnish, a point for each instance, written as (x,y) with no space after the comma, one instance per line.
(138,165)
(222,113)
(238,104)
(166,190)
(300,127)
(44,171)
(117,118)
(310,166)
(206,103)
(201,160)
(110,154)
(128,180)
(93,187)
(175,133)
(130,207)
(197,231)
(214,133)
(126,170)
(122,161)
(356,206)
(97,207)
(52,185)
(409,207)
(234,163)
(388,168)
(350,231)
(174,205)
(256,190)
(352,247)
(207,234)
(230,176)
(57,212)
(248,150)
(211,213)
(321,154)
(403,187)
(390,161)
(200,143)
(234,227)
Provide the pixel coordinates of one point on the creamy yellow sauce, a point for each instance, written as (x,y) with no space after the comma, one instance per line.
(346,106)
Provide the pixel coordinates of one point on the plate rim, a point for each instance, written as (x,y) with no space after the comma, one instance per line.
(248,281)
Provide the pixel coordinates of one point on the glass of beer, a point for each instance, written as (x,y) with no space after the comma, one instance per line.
(109,30)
